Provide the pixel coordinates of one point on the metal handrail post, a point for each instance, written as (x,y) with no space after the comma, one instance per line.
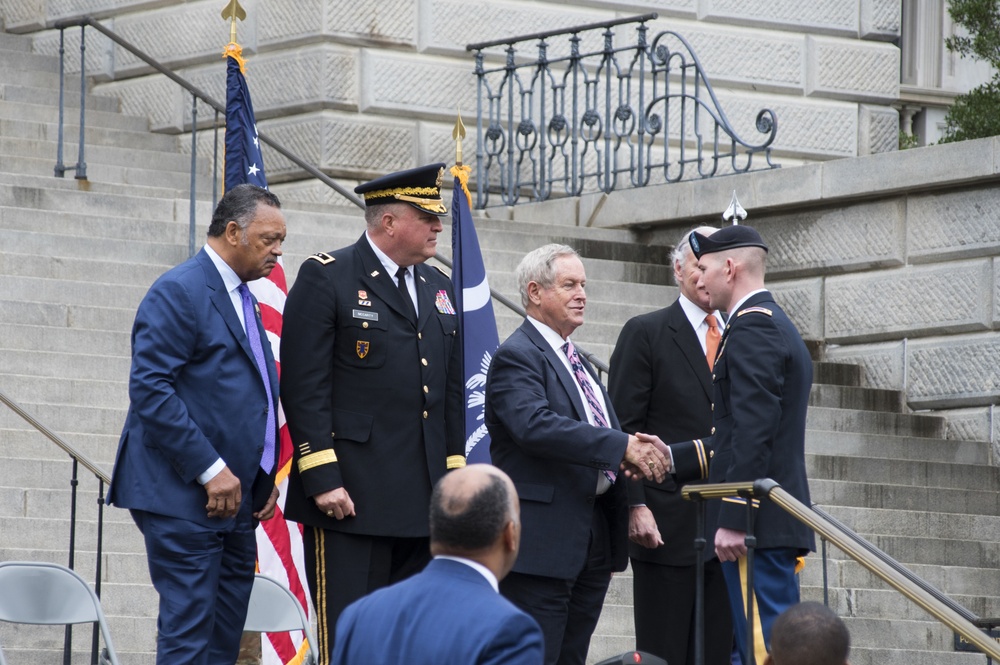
(60,169)
(96,642)
(751,543)
(73,483)
(194,166)
(81,163)
(699,577)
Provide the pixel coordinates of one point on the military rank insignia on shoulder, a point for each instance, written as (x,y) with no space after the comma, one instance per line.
(322,257)
(759,310)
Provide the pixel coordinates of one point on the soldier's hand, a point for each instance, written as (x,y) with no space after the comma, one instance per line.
(647,457)
(267,512)
(224,494)
(335,503)
(730,545)
(642,529)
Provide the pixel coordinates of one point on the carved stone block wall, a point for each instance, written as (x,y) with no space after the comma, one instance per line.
(828,69)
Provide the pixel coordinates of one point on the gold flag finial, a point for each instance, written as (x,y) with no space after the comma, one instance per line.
(458,134)
(233,11)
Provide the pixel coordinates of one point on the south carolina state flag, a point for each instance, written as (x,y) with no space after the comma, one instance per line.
(279,542)
(475,312)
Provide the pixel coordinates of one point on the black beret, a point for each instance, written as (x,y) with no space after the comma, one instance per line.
(420,187)
(730,237)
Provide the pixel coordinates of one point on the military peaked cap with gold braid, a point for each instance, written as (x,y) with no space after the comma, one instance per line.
(420,187)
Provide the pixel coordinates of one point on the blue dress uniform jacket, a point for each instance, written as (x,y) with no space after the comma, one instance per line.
(196,395)
(762,376)
(373,402)
(448,613)
(541,438)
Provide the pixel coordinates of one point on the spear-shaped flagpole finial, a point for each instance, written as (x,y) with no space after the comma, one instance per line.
(233,11)
(458,134)
(735,211)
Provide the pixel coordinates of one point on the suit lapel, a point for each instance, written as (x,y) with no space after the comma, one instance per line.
(686,340)
(563,374)
(223,303)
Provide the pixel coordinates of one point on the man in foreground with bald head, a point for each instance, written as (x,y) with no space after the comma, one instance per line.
(452,611)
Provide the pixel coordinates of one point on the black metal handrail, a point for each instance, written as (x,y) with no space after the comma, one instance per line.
(917,590)
(102,479)
(578,122)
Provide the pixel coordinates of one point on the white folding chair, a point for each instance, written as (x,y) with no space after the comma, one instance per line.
(275,609)
(50,594)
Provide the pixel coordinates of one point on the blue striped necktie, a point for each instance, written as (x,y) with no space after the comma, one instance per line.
(253,335)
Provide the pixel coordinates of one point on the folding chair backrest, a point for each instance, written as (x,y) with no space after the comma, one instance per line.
(50,594)
(275,609)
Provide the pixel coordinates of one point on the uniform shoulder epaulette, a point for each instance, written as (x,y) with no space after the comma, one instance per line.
(322,257)
(760,310)
(441,271)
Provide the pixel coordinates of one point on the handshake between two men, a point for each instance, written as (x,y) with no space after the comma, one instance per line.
(646,456)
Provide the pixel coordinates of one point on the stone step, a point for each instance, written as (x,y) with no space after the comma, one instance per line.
(30,94)
(984,530)
(914,656)
(21,181)
(49,113)
(98,172)
(26,444)
(14,43)
(70,364)
(67,419)
(40,289)
(838,374)
(102,156)
(853,397)
(889,602)
(58,390)
(82,223)
(828,493)
(34,533)
(907,473)
(69,195)
(885,446)
(64,339)
(950,579)
(899,424)
(93,135)
(73,269)
(65,316)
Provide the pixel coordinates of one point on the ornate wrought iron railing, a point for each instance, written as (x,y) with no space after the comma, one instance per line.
(589,113)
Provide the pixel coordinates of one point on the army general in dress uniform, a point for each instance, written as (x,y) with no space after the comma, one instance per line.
(371,385)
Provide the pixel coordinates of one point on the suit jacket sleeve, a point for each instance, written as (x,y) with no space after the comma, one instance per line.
(164,340)
(630,385)
(307,346)
(518,641)
(519,400)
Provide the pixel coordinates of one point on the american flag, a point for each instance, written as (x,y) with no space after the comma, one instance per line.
(279,541)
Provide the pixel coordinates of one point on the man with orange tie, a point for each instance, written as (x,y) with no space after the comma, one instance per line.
(661,382)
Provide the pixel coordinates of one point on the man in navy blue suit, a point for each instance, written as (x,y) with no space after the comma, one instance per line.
(451,612)
(556,435)
(197,456)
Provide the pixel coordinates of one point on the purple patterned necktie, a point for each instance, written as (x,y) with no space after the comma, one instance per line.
(583,379)
(253,335)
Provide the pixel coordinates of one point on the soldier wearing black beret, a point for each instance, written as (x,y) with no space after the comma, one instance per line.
(371,385)
(761,380)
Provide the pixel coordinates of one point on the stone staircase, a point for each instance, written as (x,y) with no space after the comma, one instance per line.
(76,258)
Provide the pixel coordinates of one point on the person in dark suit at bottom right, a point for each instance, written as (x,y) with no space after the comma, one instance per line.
(452,611)
(762,378)
(661,382)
